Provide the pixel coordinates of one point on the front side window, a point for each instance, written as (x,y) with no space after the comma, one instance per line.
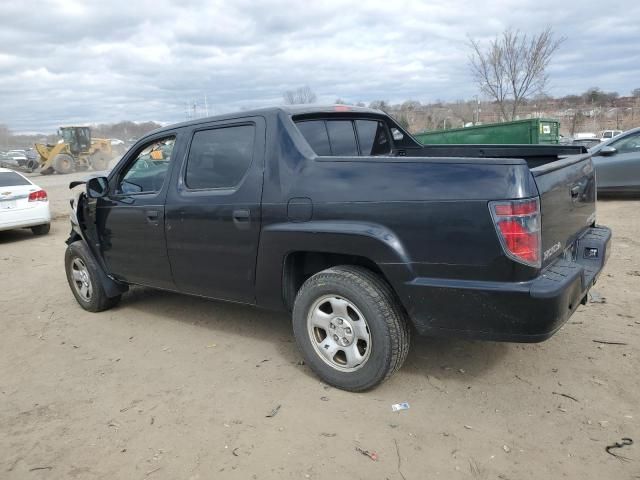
(147,172)
(219,158)
(628,144)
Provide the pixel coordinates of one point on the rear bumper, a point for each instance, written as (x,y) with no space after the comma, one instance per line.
(26,217)
(529,311)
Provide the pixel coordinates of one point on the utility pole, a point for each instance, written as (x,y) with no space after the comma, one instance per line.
(206,107)
(476,116)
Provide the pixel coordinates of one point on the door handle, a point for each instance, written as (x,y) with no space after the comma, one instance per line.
(152,216)
(242,218)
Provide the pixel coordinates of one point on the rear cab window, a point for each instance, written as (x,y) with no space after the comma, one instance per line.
(346,137)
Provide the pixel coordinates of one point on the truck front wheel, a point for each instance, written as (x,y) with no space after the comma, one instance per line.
(350,327)
(84,281)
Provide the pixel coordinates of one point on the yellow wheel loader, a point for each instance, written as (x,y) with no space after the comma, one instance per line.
(75,151)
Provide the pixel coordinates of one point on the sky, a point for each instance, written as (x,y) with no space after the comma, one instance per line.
(65,62)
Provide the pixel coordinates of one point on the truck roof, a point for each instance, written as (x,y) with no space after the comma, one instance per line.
(305,109)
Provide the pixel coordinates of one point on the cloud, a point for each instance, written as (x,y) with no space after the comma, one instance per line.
(93,61)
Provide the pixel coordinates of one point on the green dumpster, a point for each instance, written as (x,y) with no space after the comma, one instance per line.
(530,131)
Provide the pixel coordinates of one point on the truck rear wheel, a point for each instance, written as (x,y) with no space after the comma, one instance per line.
(63,163)
(84,281)
(350,327)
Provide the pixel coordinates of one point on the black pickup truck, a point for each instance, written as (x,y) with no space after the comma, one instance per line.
(339,216)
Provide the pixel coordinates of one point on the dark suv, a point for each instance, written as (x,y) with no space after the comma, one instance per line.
(339,216)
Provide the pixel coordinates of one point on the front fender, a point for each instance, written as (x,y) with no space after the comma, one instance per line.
(369,240)
(78,233)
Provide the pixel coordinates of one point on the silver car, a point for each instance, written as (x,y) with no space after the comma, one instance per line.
(617,163)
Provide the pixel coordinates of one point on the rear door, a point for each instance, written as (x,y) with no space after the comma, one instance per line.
(130,220)
(567,202)
(214,213)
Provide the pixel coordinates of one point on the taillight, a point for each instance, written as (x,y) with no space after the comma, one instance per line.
(518,225)
(38,196)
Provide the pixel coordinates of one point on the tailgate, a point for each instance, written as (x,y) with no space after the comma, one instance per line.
(567,190)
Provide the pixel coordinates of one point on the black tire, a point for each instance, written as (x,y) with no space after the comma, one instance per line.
(41,229)
(97,301)
(383,314)
(47,171)
(63,163)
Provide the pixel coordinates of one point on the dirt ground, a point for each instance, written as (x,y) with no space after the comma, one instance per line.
(173,387)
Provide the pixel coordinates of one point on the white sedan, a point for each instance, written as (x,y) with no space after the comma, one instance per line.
(22,204)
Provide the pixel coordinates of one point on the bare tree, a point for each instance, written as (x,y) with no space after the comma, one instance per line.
(380,105)
(513,67)
(299,95)
(465,111)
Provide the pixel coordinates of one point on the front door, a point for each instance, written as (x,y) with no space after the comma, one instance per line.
(131,218)
(213,210)
(622,169)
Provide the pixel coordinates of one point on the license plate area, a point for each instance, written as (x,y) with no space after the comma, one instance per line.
(7,204)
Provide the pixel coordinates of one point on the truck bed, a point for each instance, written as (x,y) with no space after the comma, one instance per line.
(534,155)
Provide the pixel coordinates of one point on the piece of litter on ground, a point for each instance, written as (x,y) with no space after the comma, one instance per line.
(211,345)
(372,455)
(506,448)
(274,412)
(396,407)
(566,395)
(607,342)
(468,427)
(595,297)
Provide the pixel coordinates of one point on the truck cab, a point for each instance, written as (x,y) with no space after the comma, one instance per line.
(340,217)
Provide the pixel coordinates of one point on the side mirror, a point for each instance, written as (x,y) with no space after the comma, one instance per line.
(608,151)
(97,187)
(397,134)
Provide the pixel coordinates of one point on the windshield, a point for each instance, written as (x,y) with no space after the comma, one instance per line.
(67,135)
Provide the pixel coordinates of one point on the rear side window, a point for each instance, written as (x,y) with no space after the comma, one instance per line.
(373,137)
(12,179)
(315,133)
(220,158)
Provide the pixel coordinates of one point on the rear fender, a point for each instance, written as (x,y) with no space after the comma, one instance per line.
(372,241)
